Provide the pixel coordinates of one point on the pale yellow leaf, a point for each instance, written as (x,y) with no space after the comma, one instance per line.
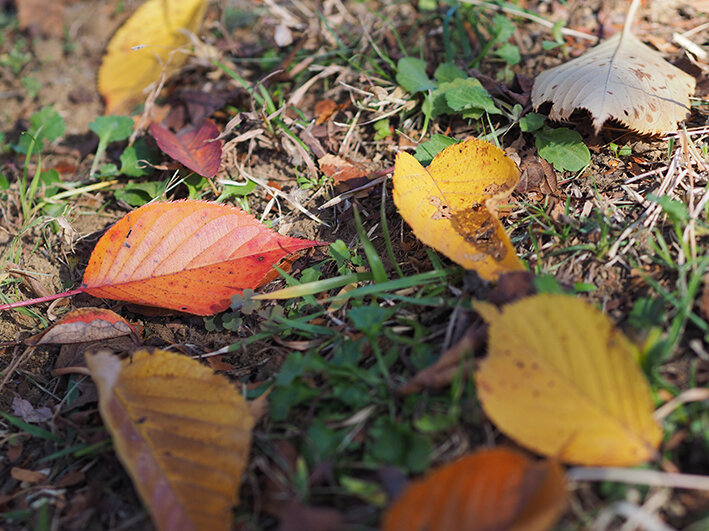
(621,78)
(450,205)
(144,47)
(181,431)
(561,380)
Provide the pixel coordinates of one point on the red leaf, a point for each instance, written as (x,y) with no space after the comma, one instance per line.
(191,256)
(194,147)
(84,324)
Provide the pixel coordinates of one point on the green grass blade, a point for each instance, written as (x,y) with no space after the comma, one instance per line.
(35,431)
(375,262)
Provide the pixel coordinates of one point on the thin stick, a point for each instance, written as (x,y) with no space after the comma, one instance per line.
(38,300)
(530,16)
(653,478)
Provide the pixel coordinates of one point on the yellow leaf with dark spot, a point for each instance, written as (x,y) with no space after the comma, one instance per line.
(181,431)
(146,45)
(561,380)
(450,205)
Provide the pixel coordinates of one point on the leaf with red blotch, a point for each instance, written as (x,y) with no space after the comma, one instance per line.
(82,325)
(196,147)
(191,256)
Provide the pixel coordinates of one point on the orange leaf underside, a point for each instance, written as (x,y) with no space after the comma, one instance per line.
(191,256)
(489,489)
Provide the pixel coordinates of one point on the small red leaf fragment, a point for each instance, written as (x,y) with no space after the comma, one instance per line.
(195,147)
(82,325)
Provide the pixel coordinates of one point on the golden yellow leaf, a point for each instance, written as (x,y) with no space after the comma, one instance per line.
(181,431)
(450,204)
(143,48)
(561,380)
(488,489)
(621,78)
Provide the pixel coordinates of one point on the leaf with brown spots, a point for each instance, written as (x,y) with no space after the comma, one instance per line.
(450,205)
(561,380)
(191,256)
(623,79)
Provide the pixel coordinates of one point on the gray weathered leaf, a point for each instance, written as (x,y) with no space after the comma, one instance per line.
(621,78)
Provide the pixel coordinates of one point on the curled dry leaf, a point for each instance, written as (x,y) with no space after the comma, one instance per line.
(181,431)
(561,380)
(450,204)
(489,489)
(82,325)
(197,148)
(621,78)
(191,256)
(144,47)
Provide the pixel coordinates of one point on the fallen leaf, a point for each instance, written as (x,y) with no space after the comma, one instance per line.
(190,256)
(83,325)
(181,431)
(489,489)
(196,147)
(28,476)
(342,170)
(561,380)
(450,204)
(324,110)
(26,411)
(450,364)
(621,78)
(144,47)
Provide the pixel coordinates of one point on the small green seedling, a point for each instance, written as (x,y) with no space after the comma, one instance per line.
(620,151)
(563,148)
(109,129)
(45,125)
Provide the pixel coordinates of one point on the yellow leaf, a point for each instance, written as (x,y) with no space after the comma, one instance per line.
(143,48)
(181,431)
(489,489)
(561,380)
(450,204)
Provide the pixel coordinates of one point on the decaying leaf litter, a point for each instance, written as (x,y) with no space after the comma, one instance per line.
(575,232)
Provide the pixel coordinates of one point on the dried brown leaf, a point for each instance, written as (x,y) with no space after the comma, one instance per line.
(621,78)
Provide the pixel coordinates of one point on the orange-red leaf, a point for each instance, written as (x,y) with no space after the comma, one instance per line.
(181,431)
(195,147)
(191,256)
(84,324)
(490,489)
